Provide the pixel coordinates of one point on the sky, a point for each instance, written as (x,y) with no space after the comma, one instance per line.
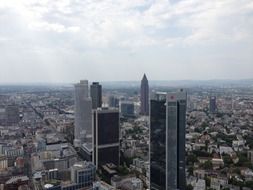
(63,41)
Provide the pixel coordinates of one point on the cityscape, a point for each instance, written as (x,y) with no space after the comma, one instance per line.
(87,136)
(126,95)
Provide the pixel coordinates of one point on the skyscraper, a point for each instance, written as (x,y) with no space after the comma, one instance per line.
(96,95)
(212,104)
(12,114)
(113,102)
(167,141)
(105,136)
(144,96)
(127,109)
(83,114)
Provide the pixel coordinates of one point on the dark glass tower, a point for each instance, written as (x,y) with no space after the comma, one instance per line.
(144,96)
(212,105)
(96,95)
(105,136)
(167,141)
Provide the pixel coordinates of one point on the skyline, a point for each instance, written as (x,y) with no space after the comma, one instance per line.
(65,41)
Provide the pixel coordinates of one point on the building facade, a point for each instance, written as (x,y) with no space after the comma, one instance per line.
(212,104)
(83,114)
(96,95)
(105,136)
(167,141)
(113,102)
(144,96)
(83,174)
(127,109)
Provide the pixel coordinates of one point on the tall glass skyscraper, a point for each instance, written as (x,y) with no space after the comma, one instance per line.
(106,136)
(83,114)
(96,95)
(144,96)
(167,141)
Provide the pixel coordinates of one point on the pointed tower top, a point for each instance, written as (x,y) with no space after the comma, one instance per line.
(144,77)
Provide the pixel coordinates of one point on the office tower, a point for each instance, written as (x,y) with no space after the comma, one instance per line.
(127,109)
(105,136)
(12,114)
(167,141)
(144,96)
(2,116)
(83,114)
(9,115)
(113,102)
(83,174)
(96,95)
(212,105)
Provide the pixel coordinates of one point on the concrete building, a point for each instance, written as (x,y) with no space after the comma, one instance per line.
(128,183)
(200,185)
(83,114)
(113,102)
(15,182)
(250,155)
(3,162)
(96,95)
(83,174)
(144,96)
(100,185)
(167,141)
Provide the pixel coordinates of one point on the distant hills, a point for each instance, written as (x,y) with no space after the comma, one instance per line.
(133,84)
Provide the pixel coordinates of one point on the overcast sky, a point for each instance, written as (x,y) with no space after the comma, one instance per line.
(111,40)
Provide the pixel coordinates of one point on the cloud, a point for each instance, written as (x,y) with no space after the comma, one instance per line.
(55,27)
(139,23)
(187,33)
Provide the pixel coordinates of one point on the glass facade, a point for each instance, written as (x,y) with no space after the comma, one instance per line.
(96,95)
(108,128)
(157,144)
(106,137)
(167,141)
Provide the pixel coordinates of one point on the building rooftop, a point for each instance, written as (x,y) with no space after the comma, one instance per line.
(16,179)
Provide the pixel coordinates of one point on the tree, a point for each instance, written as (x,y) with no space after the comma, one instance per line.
(243,161)
(249,184)
(190,170)
(189,187)
(227,160)
(208,165)
(208,181)
(191,159)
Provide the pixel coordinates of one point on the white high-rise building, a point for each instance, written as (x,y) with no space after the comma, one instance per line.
(83,114)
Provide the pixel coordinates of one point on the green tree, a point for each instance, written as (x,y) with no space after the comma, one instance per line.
(190,170)
(189,187)
(227,160)
(191,159)
(208,181)
(208,165)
